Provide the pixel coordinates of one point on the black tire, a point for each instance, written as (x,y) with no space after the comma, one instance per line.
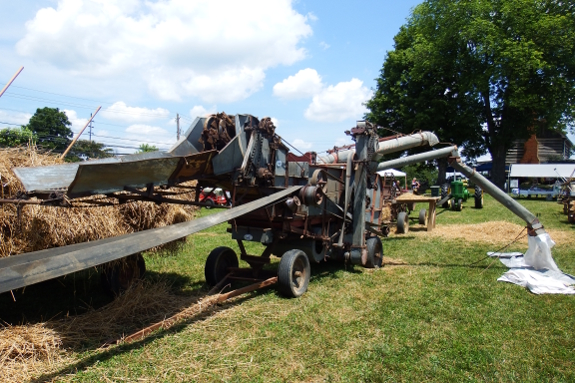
(374,253)
(218,263)
(478,198)
(459,206)
(293,273)
(402,223)
(423,217)
(117,277)
(445,193)
(209,204)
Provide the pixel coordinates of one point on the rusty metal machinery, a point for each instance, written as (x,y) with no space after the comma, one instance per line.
(305,209)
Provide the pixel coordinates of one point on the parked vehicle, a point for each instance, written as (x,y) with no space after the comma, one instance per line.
(215,197)
(537,190)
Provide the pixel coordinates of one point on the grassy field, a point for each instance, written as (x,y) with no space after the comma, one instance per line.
(430,314)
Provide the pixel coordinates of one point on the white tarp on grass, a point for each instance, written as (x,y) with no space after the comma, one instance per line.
(536,269)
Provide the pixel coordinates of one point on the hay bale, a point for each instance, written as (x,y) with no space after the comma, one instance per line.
(43,227)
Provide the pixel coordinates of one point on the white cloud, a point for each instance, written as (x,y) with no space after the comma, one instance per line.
(305,83)
(302,145)
(324,45)
(119,111)
(200,111)
(275,121)
(77,123)
(215,50)
(151,134)
(339,102)
(13,118)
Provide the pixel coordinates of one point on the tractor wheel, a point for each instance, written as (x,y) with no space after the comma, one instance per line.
(118,276)
(218,263)
(374,253)
(423,217)
(293,273)
(402,223)
(478,198)
(445,193)
(209,204)
(459,205)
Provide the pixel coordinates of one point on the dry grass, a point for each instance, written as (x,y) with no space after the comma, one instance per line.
(42,227)
(495,233)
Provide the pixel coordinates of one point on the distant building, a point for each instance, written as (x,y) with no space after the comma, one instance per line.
(540,148)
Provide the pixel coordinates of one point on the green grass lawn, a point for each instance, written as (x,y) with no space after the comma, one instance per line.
(435,317)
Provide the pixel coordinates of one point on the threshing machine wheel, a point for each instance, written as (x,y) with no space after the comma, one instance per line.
(118,276)
(218,263)
(402,223)
(374,253)
(293,273)
(445,193)
(478,198)
(423,217)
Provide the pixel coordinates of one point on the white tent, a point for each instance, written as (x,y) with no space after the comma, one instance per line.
(396,173)
(542,170)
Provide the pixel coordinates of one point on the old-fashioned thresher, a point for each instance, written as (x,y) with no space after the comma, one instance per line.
(304,209)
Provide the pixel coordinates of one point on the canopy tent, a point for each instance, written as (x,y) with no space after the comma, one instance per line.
(542,170)
(396,174)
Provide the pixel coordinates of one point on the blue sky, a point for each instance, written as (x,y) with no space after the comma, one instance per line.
(307,64)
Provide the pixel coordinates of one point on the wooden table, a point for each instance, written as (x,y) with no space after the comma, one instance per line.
(405,198)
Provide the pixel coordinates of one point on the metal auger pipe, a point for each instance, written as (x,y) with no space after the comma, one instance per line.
(501,197)
(385,147)
(416,158)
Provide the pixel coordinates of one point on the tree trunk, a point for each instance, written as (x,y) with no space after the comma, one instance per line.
(498,175)
(442,169)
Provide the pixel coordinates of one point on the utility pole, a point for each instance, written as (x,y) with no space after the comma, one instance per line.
(178,132)
(90,131)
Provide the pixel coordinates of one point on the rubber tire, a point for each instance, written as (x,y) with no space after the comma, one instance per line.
(374,253)
(478,198)
(444,193)
(423,217)
(217,264)
(289,284)
(209,204)
(459,205)
(117,277)
(402,223)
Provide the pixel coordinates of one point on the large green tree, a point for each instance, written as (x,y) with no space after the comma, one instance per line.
(52,128)
(87,150)
(481,73)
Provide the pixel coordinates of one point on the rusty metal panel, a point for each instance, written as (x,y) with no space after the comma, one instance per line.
(26,269)
(195,166)
(107,178)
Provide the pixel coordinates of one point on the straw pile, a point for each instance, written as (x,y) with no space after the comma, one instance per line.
(34,349)
(42,227)
(495,233)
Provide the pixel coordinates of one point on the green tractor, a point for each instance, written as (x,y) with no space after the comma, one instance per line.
(453,195)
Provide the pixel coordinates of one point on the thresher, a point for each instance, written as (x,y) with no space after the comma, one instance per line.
(304,209)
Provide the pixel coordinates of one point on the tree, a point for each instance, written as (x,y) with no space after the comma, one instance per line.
(481,73)
(12,137)
(87,150)
(52,128)
(144,148)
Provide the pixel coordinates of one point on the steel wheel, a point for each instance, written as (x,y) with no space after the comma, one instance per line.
(218,263)
(402,223)
(293,273)
(374,253)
